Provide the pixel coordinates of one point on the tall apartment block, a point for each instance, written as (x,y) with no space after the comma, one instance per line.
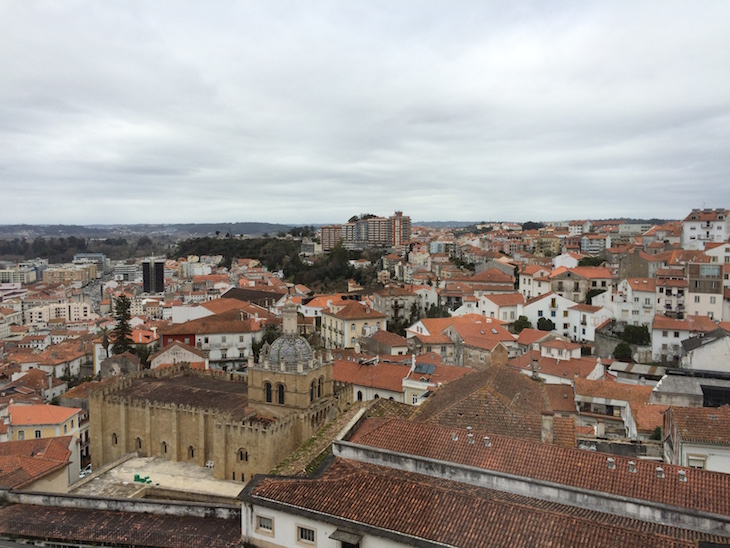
(153,277)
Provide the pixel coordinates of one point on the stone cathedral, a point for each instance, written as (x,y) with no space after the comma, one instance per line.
(239,427)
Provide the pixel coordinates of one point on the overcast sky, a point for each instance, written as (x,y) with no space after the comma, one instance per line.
(311,112)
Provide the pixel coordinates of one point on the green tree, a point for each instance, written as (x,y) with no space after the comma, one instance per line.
(590,261)
(121,335)
(544,324)
(622,352)
(521,323)
(635,334)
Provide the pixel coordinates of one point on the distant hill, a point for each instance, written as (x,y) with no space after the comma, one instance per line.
(445,224)
(114,231)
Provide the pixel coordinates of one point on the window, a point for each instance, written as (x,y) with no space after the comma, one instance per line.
(696,461)
(280,394)
(319,388)
(65,428)
(305,534)
(311,391)
(712,300)
(665,333)
(205,340)
(163,448)
(191,452)
(539,313)
(240,338)
(264,524)
(224,354)
(697,298)
(21,434)
(414,399)
(223,338)
(115,439)
(676,334)
(352,326)
(552,313)
(359,395)
(565,313)
(267,390)
(138,443)
(72,423)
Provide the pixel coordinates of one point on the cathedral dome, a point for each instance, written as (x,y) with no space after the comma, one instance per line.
(290,349)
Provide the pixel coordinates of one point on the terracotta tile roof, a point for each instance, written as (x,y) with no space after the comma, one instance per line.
(483,335)
(386,376)
(455,514)
(586,308)
(648,416)
(703,424)
(574,368)
(434,340)
(703,491)
(562,397)
(391,339)
(217,306)
(608,389)
(691,323)
(642,284)
(506,299)
(32,415)
(356,311)
(105,527)
(530,336)
(706,215)
(23,462)
(227,322)
(182,345)
(560,344)
(498,400)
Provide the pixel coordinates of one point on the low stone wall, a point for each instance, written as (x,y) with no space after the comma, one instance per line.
(170,508)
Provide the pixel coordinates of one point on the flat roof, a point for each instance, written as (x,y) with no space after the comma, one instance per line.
(196,391)
(190,480)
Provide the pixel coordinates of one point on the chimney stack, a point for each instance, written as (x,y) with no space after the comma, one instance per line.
(535,374)
(546,433)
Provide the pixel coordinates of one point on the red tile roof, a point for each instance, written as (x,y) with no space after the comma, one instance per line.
(692,323)
(703,424)
(703,491)
(415,506)
(32,415)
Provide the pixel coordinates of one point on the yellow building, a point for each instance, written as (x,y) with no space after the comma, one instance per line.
(42,421)
(343,328)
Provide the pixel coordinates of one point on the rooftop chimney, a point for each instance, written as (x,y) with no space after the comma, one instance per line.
(454,437)
(487,442)
(682,475)
(632,467)
(659,472)
(546,433)
(611,463)
(535,374)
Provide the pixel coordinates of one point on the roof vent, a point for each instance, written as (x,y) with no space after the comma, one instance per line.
(487,442)
(632,467)
(682,475)
(454,437)
(659,472)
(471,438)
(611,463)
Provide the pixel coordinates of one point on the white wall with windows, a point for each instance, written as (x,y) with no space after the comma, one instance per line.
(275,528)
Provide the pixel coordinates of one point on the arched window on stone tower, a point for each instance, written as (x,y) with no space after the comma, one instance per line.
(319,388)
(312,391)
(280,394)
(267,390)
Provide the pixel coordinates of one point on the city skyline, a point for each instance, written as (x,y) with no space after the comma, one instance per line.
(299,114)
